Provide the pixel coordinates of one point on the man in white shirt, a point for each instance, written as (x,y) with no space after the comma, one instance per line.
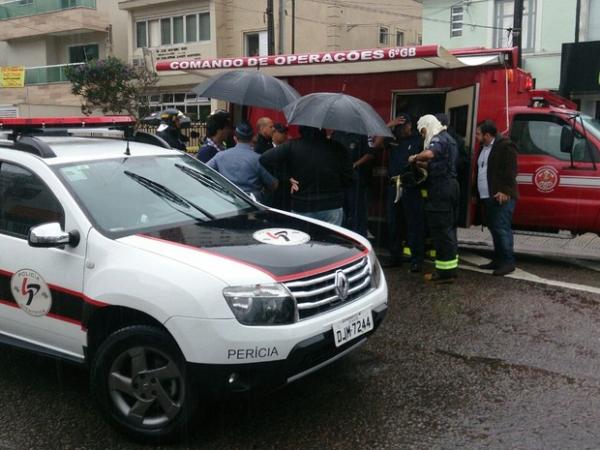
(497,189)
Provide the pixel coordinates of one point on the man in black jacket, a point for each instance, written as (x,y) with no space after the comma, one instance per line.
(497,190)
(321,170)
(264,137)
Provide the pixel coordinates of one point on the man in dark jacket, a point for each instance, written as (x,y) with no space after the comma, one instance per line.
(356,214)
(321,170)
(170,129)
(497,189)
(216,133)
(264,137)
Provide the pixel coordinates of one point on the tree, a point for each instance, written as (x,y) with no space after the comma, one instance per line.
(111,86)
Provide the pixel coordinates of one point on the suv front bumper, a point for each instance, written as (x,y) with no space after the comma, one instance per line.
(306,357)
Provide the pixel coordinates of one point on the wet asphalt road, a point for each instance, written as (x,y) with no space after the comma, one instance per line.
(485,363)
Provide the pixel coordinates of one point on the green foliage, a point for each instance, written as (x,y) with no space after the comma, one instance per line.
(110,85)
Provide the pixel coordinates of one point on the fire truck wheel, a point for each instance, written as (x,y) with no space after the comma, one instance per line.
(139,381)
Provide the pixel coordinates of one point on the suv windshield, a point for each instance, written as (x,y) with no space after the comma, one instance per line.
(128,195)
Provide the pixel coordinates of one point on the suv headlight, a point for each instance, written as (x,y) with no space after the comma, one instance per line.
(375,270)
(262,304)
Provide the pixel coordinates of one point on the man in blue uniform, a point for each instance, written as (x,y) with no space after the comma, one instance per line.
(409,207)
(241,165)
(441,203)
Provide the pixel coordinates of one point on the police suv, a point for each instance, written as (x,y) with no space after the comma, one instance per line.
(162,277)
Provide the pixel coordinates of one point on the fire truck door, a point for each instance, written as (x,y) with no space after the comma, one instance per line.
(461,109)
(554,194)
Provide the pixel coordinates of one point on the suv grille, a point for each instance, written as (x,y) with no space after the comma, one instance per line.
(317,294)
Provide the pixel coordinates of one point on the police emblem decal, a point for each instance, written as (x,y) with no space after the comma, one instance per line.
(281,236)
(342,285)
(31,292)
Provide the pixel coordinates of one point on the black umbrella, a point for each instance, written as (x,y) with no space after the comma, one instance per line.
(338,112)
(248,87)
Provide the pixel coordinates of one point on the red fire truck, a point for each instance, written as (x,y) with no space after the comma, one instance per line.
(559,177)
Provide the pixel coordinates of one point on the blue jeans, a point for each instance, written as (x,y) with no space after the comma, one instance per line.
(332,216)
(499,221)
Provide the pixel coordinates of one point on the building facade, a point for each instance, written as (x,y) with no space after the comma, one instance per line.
(229,28)
(69,31)
(547,24)
(45,36)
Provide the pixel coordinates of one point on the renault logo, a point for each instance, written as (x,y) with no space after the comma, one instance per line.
(342,285)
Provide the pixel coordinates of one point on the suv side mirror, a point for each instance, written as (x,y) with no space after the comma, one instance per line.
(567,139)
(51,235)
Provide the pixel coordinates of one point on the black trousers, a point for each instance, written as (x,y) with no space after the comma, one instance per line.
(442,212)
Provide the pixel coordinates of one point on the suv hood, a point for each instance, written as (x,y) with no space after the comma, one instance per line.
(282,246)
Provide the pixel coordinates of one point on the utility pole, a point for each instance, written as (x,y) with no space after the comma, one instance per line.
(281,43)
(293,26)
(270,29)
(518,31)
(577,19)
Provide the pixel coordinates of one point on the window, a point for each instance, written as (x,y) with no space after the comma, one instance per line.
(399,38)
(191,28)
(255,44)
(165,31)
(141,34)
(178,36)
(25,201)
(504,20)
(173,30)
(197,108)
(456,20)
(204,27)
(384,35)
(83,53)
(540,135)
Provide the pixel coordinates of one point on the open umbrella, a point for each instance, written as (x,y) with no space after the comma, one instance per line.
(248,87)
(338,112)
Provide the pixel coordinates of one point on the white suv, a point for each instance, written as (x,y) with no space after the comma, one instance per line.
(167,280)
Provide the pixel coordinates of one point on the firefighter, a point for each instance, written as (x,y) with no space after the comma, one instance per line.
(170,128)
(441,197)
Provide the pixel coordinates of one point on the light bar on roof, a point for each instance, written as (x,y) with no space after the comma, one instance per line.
(65,122)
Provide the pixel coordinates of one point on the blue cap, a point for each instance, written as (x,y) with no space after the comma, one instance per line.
(244,130)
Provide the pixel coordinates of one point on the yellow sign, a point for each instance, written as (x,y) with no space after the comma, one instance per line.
(12,77)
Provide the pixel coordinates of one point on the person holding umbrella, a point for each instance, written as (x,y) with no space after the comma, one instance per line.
(441,199)
(321,171)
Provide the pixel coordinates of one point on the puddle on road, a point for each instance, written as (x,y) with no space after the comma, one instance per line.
(498,364)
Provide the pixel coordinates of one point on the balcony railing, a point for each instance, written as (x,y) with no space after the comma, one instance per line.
(13,9)
(47,74)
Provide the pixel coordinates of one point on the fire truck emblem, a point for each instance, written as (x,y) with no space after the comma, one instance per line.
(31,292)
(546,179)
(281,236)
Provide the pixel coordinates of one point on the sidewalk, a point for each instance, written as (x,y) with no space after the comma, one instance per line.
(585,247)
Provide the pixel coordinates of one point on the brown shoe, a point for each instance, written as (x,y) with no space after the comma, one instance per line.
(436,278)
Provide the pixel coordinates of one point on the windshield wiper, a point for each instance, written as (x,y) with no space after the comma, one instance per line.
(167,194)
(207,181)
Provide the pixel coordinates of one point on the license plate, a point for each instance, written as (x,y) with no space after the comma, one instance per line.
(352,327)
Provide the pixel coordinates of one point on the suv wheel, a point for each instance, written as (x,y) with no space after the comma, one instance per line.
(139,380)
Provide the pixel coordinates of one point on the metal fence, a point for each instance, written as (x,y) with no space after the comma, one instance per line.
(194,143)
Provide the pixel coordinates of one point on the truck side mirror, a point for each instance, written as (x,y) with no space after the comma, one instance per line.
(567,139)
